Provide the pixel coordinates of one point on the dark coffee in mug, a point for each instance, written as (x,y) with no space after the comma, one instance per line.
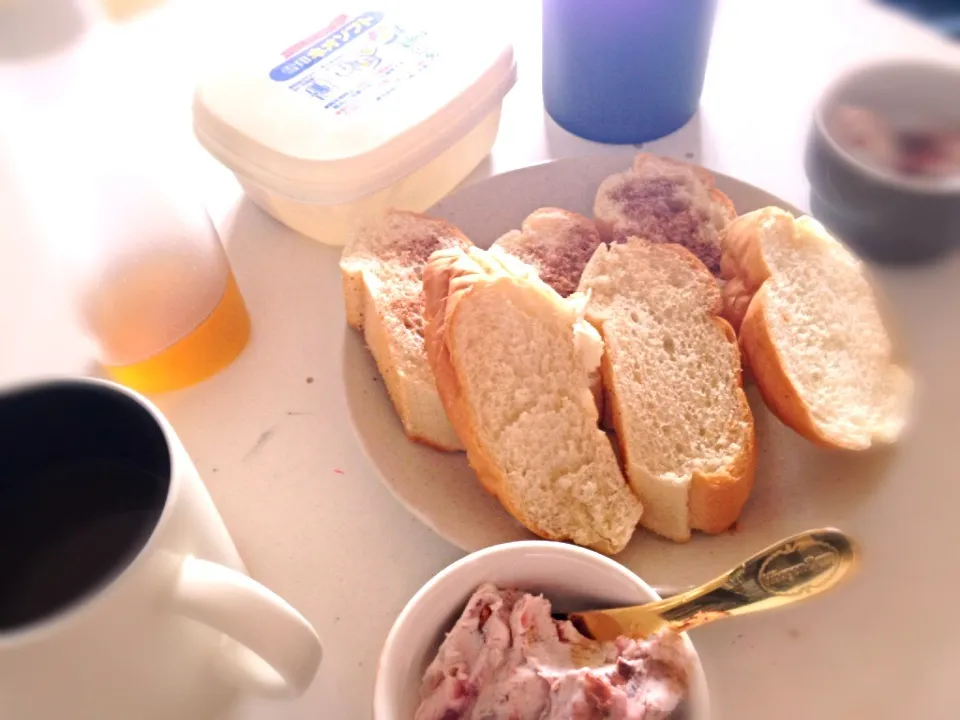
(122,594)
(84,474)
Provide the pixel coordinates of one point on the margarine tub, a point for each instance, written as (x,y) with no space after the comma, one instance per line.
(343,110)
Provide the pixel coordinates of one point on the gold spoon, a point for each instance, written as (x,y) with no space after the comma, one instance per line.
(793,569)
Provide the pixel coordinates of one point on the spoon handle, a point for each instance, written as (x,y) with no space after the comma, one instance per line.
(793,569)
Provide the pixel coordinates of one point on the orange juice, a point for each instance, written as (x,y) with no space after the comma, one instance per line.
(204,351)
(144,266)
(152,284)
(125,9)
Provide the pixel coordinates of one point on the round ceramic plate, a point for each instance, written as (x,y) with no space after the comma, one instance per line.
(798,486)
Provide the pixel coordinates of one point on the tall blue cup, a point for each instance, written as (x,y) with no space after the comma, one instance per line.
(624,71)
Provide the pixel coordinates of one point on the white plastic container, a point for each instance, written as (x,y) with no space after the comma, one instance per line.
(350,109)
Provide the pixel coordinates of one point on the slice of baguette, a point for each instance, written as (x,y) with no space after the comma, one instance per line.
(513,361)
(671,368)
(382,270)
(812,332)
(556,243)
(665,201)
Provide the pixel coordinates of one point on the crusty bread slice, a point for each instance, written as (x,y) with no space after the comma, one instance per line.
(812,332)
(665,201)
(382,271)
(671,368)
(556,243)
(512,361)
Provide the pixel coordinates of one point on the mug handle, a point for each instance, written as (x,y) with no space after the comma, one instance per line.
(276,651)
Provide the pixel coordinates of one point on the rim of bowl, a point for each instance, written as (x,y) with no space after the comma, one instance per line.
(698,682)
(848,78)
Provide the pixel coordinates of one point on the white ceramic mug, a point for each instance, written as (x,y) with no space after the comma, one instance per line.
(122,595)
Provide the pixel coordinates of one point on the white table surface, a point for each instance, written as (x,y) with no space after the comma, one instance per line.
(277,450)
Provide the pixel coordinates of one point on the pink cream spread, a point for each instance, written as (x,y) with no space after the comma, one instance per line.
(508,659)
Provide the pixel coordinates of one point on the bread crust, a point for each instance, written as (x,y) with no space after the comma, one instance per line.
(359,281)
(641,160)
(777,390)
(445,288)
(745,303)
(746,270)
(557,243)
(442,298)
(447,283)
(742,264)
(716,499)
(721,198)
(662,200)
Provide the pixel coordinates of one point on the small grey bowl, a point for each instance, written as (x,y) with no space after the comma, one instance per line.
(886,217)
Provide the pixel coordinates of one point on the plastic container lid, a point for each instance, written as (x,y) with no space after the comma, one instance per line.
(339,101)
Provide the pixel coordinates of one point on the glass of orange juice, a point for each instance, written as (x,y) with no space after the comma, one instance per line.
(154,288)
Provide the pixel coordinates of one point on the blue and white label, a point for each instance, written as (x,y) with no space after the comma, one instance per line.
(359,61)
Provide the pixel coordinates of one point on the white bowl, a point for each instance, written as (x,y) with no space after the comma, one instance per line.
(570,577)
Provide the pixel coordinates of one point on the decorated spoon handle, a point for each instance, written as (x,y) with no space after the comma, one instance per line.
(793,569)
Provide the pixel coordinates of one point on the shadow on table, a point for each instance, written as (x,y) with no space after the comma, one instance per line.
(683,144)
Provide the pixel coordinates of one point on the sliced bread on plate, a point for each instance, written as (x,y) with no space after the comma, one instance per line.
(382,272)
(671,369)
(556,243)
(811,329)
(513,362)
(665,201)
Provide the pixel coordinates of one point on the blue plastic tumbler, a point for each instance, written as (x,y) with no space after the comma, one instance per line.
(624,71)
